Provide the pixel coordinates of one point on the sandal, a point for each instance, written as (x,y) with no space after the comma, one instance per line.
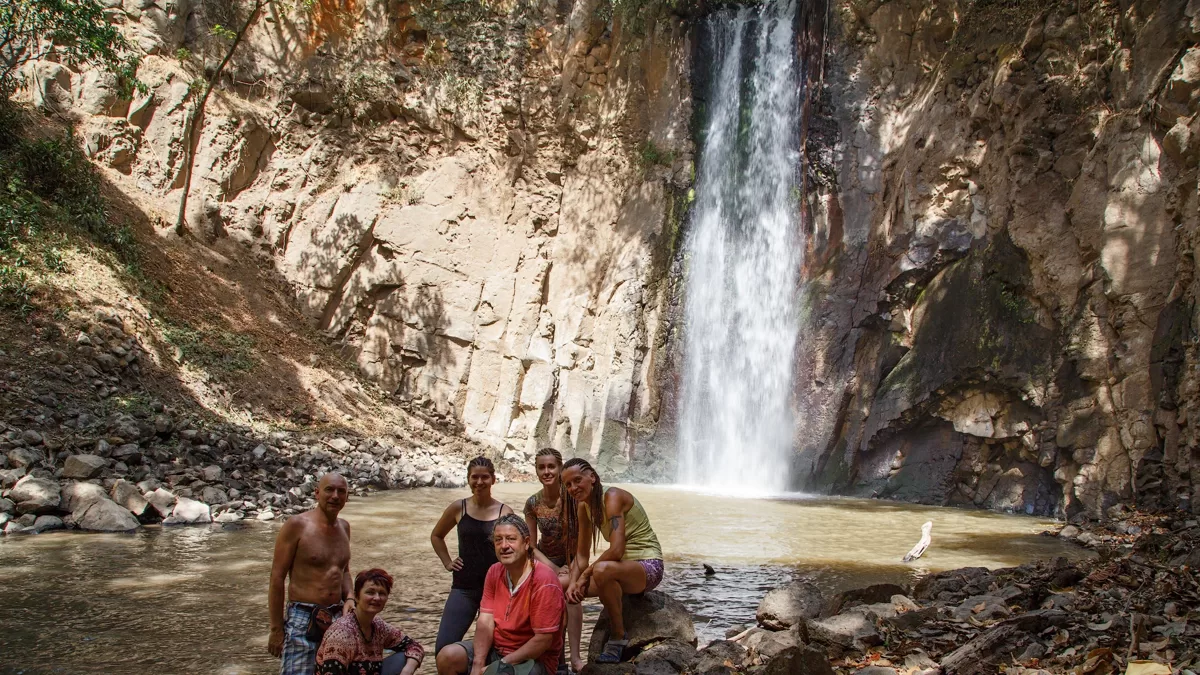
(613,649)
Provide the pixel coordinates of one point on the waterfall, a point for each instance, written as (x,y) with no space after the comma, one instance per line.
(743,255)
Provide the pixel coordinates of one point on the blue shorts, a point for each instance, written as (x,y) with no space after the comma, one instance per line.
(299,653)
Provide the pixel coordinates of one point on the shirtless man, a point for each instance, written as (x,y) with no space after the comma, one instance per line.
(312,551)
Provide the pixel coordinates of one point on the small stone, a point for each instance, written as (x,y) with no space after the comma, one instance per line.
(340,444)
(213,474)
(228,517)
(1069,532)
(82,467)
(22,458)
(7,506)
(31,437)
(266,515)
(260,451)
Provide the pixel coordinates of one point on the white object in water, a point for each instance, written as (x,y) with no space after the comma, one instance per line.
(919,550)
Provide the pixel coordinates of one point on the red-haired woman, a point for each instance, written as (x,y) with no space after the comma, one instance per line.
(354,644)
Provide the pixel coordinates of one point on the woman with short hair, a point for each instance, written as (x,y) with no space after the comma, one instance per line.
(354,644)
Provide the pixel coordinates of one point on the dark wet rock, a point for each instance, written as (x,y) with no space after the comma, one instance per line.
(649,618)
(775,642)
(36,495)
(720,653)
(785,607)
(801,660)
(912,620)
(935,586)
(7,506)
(9,477)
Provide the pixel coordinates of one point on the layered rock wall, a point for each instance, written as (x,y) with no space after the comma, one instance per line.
(1002,295)
(476,199)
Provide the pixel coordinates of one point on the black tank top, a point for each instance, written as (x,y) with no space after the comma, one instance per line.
(476,549)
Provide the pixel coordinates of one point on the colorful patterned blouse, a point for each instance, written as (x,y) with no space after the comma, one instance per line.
(551,541)
(345,650)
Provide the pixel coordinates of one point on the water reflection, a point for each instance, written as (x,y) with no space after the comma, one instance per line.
(193,600)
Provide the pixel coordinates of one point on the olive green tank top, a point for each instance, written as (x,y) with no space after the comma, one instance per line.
(640,541)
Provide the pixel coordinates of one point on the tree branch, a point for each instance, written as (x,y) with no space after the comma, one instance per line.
(197,119)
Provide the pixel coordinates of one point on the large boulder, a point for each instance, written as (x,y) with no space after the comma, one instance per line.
(189,512)
(36,495)
(82,467)
(649,618)
(785,607)
(77,496)
(47,523)
(104,515)
(126,494)
(799,660)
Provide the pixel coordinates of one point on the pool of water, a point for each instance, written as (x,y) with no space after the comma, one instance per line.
(192,600)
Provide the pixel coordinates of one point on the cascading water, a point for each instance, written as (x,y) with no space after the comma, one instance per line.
(744,252)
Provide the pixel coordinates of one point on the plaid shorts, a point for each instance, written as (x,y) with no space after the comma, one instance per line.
(654,573)
(299,654)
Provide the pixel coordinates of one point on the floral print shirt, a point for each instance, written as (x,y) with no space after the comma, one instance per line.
(346,651)
(551,540)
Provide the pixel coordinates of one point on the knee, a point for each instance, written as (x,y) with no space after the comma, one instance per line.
(604,572)
(451,659)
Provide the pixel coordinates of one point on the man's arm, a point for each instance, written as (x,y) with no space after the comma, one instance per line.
(530,650)
(485,628)
(281,565)
(347,581)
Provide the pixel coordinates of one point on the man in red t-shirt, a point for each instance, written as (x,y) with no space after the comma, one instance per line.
(519,630)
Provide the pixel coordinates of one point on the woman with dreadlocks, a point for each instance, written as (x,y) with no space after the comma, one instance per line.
(550,515)
(633,562)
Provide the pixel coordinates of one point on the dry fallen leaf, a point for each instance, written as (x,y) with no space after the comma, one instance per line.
(1100,626)
(1147,668)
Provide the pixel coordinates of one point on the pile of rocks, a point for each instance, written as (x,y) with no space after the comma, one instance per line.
(157,473)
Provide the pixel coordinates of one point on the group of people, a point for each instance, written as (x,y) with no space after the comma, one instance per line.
(519,578)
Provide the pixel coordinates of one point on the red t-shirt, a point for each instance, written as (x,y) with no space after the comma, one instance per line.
(537,607)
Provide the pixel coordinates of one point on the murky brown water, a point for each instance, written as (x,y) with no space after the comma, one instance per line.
(193,600)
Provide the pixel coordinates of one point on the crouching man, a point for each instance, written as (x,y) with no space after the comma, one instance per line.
(520,628)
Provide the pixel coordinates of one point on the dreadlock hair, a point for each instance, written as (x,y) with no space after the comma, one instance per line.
(517,522)
(567,517)
(484,462)
(595,501)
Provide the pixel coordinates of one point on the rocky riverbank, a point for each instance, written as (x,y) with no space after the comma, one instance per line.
(1133,608)
(89,439)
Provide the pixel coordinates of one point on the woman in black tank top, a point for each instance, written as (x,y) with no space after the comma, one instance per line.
(474,519)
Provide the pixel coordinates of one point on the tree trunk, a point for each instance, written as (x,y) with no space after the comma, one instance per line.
(195,124)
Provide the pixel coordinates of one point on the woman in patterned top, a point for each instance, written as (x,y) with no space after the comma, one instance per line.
(550,515)
(354,644)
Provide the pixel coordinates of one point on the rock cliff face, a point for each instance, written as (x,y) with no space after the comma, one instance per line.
(478,200)
(482,202)
(1003,275)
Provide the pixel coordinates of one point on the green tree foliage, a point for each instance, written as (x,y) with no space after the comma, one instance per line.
(75,31)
